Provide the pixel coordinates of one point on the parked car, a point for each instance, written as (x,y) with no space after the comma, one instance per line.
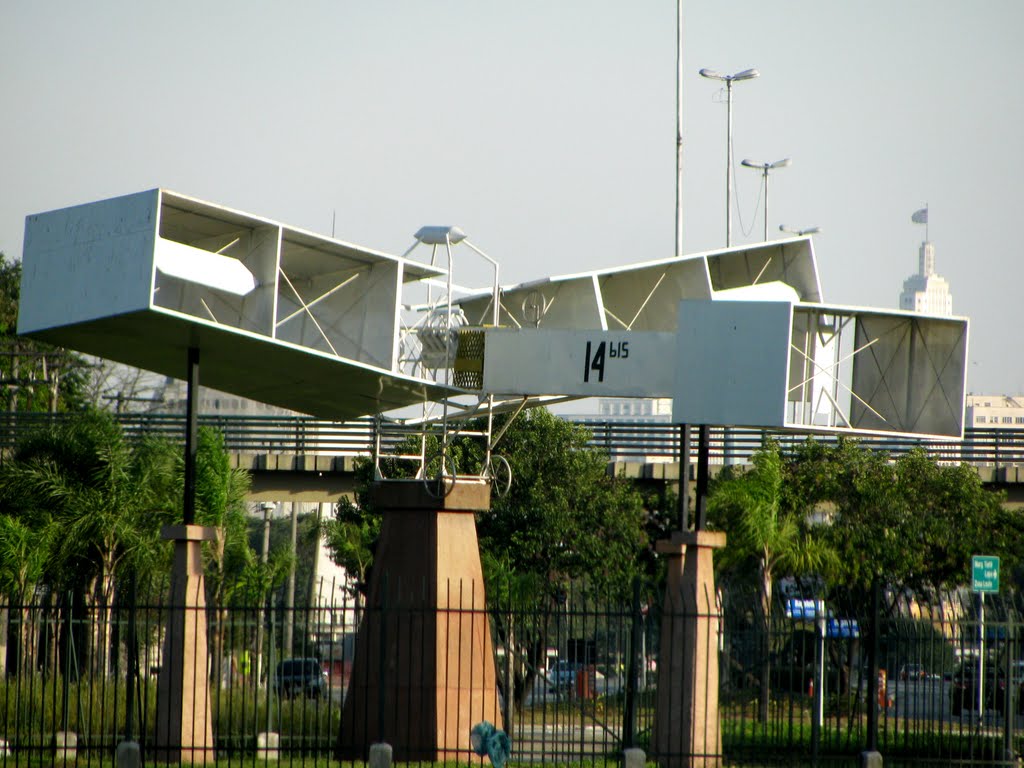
(963,689)
(913,672)
(300,677)
(562,675)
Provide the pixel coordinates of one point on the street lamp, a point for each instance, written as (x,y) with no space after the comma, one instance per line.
(799,232)
(746,74)
(268,508)
(764,168)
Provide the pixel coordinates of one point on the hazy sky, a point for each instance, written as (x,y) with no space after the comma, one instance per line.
(546,129)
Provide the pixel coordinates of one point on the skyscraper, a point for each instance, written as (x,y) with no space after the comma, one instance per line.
(926,291)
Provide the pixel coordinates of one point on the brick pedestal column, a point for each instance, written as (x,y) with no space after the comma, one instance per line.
(184,721)
(686,725)
(423,672)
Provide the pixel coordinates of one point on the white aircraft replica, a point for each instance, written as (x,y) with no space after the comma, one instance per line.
(737,337)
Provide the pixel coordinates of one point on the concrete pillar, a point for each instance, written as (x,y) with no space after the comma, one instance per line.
(423,672)
(686,721)
(184,730)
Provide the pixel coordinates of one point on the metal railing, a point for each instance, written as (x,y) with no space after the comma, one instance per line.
(576,678)
(622,440)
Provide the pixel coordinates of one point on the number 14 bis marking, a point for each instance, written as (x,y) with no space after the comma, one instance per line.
(595,358)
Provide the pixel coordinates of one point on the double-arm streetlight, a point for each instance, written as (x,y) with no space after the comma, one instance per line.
(764,168)
(746,74)
(799,232)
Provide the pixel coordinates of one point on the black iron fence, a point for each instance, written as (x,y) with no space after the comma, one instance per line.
(622,440)
(572,679)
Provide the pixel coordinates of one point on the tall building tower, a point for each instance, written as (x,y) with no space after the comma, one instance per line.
(926,291)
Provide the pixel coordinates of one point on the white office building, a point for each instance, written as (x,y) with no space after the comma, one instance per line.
(994,411)
(926,291)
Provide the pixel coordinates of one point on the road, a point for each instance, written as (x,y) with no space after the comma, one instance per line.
(928,699)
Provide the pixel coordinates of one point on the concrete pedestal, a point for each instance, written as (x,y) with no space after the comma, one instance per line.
(686,725)
(183,718)
(423,672)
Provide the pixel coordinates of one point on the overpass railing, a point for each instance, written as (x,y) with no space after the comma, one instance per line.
(622,440)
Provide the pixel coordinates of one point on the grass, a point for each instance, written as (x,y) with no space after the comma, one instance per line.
(33,708)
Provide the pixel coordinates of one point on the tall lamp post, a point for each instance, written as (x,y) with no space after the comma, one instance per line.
(746,74)
(764,168)
(267,507)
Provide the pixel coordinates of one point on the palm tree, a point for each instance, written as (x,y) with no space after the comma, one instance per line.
(748,506)
(107,497)
(24,552)
(220,504)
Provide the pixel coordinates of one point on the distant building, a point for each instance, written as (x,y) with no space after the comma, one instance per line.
(171,398)
(994,411)
(628,410)
(658,410)
(926,291)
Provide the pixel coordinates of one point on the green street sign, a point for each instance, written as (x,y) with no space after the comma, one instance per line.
(984,573)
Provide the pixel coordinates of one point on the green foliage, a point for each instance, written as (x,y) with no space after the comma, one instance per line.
(220,504)
(255,579)
(81,505)
(39,377)
(104,496)
(912,522)
(918,641)
(767,532)
(33,709)
(564,517)
(350,538)
(24,552)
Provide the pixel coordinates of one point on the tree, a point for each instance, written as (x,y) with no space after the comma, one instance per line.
(120,388)
(220,504)
(564,517)
(24,552)
(107,497)
(350,538)
(764,532)
(911,522)
(36,376)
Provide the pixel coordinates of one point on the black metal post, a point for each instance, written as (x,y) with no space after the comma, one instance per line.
(684,477)
(1009,713)
(133,660)
(819,685)
(703,460)
(382,669)
(874,649)
(191,434)
(633,669)
(68,650)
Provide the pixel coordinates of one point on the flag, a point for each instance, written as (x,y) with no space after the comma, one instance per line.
(920,217)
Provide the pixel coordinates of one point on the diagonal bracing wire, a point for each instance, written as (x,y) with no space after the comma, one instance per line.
(829,371)
(298,297)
